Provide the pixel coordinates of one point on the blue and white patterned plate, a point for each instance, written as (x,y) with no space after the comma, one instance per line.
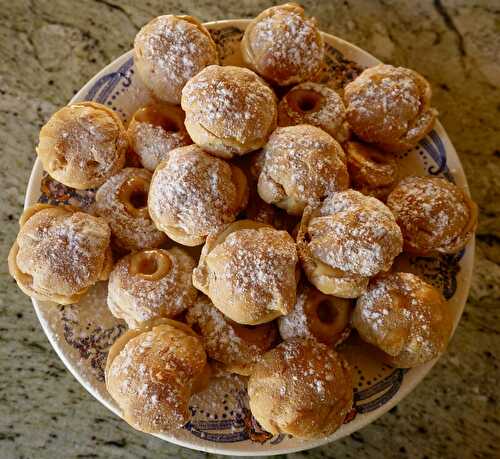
(81,334)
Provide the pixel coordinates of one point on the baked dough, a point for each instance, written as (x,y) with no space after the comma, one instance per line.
(390,106)
(316,315)
(193,193)
(82,145)
(123,202)
(302,165)
(435,215)
(156,129)
(249,271)
(152,372)
(405,317)
(237,346)
(169,50)
(316,104)
(150,284)
(59,253)
(372,172)
(345,241)
(230,110)
(301,388)
(283,46)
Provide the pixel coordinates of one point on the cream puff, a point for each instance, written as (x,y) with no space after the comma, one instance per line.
(152,372)
(301,388)
(434,215)
(193,193)
(283,46)
(236,346)
(123,202)
(168,51)
(302,165)
(316,315)
(156,129)
(390,106)
(347,240)
(406,318)
(59,253)
(151,284)
(371,171)
(82,145)
(230,111)
(315,104)
(249,271)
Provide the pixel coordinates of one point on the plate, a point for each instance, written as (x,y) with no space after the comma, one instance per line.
(221,423)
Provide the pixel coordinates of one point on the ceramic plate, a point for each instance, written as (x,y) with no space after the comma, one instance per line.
(81,334)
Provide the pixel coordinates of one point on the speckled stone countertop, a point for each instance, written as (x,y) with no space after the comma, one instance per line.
(49,49)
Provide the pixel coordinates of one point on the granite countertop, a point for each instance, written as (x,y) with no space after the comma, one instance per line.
(49,49)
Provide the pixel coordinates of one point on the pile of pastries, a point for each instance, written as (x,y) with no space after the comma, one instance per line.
(298,206)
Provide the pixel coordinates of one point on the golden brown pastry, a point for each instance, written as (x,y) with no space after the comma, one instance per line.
(230,111)
(169,50)
(408,319)
(82,145)
(435,215)
(237,346)
(316,315)
(302,165)
(59,253)
(156,129)
(123,202)
(345,241)
(249,271)
(371,171)
(150,284)
(192,193)
(152,372)
(316,104)
(390,106)
(283,46)
(301,388)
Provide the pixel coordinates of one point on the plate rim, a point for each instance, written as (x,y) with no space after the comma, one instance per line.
(228,449)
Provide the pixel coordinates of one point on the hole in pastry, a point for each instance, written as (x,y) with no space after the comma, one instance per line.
(326,312)
(150,264)
(158,116)
(139,199)
(308,103)
(133,194)
(147,265)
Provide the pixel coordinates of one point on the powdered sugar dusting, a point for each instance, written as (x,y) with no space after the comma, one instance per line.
(431,212)
(389,106)
(355,233)
(136,299)
(82,144)
(402,315)
(305,162)
(153,143)
(221,341)
(285,46)
(131,231)
(194,191)
(63,251)
(169,51)
(230,103)
(259,264)
(151,377)
(328,114)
